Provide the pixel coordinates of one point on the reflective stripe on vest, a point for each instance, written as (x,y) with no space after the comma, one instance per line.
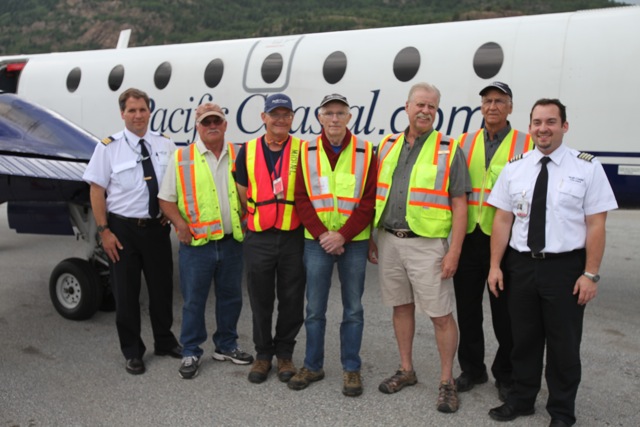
(483,178)
(428,204)
(344,186)
(197,196)
(264,209)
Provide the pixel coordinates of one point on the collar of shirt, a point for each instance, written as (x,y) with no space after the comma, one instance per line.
(419,140)
(499,136)
(135,139)
(327,145)
(202,149)
(556,156)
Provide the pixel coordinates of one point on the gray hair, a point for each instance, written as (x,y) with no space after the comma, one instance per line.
(423,86)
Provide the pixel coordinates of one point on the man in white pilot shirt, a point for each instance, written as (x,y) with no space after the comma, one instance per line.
(124,173)
(553,242)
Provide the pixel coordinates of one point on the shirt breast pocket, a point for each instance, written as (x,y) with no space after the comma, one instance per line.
(571,195)
(124,174)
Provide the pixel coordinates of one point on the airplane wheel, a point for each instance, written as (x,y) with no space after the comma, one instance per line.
(75,289)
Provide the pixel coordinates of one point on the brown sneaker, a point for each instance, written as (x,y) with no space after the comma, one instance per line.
(286,369)
(448,397)
(352,383)
(259,371)
(398,381)
(304,377)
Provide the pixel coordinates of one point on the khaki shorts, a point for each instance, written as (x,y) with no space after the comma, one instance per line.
(410,272)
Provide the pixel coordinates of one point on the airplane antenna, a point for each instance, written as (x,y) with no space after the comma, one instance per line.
(123,40)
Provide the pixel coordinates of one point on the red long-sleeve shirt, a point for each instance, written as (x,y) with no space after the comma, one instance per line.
(361,216)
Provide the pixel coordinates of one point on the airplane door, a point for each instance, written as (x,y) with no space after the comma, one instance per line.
(268,66)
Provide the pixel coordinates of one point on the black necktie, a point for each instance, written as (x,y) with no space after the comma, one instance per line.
(151,180)
(537,219)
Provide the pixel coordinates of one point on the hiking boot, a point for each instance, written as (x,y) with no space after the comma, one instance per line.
(352,383)
(286,370)
(398,381)
(259,371)
(304,377)
(447,397)
(189,367)
(237,356)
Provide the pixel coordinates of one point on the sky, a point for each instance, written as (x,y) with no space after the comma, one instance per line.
(630,1)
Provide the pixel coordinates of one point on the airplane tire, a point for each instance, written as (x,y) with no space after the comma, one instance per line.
(75,289)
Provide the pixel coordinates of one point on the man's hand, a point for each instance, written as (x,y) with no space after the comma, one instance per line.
(184,233)
(332,242)
(586,289)
(495,280)
(449,265)
(373,251)
(111,245)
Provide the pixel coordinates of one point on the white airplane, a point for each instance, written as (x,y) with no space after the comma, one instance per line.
(589,60)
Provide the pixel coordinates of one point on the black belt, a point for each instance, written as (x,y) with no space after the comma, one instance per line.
(140,222)
(225,237)
(547,255)
(402,234)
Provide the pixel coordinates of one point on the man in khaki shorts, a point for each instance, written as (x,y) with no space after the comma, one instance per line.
(421,198)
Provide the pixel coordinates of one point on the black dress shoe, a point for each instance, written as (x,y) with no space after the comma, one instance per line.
(135,366)
(558,423)
(507,412)
(466,382)
(175,352)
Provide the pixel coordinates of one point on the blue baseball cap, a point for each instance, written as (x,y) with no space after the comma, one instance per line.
(502,87)
(277,100)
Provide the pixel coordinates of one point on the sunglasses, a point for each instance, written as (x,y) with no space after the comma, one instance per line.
(208,121)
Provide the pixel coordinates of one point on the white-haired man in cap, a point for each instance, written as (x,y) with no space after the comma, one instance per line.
(335,198)
(487,151)
(266,175)
(199,196)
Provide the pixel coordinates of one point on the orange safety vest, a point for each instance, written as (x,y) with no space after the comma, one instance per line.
(264,210)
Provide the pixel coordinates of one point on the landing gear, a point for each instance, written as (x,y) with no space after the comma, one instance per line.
(75,289)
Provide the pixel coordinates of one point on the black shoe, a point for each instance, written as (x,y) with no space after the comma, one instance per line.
(135,366)
(175,352)
(503,390)
(558,423)
(507,412)
(465,382)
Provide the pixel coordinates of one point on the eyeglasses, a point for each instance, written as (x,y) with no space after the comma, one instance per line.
(274,116)
(498,101)
(214,120)
(340,115)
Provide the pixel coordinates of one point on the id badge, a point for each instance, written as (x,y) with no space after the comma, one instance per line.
(522,207)
(324,185)
(278,188)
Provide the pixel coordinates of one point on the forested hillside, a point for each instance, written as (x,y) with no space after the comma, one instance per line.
(33,26)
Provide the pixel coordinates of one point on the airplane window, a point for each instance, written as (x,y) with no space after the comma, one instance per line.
(334,67)
(406,64)
(272,67)
(163,75)
(73,79)
(115,77)
(488,60)
(213,73)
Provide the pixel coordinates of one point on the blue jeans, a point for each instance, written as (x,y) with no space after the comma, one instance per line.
(220,261)
(351,270)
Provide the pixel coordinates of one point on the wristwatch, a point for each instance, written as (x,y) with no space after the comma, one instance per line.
(593,277)
(101,228)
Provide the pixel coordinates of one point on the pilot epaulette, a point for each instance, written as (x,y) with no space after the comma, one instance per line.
(107,140)
(516,158)
(586,156)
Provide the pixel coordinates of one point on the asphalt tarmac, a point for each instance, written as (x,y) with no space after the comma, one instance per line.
(57,372)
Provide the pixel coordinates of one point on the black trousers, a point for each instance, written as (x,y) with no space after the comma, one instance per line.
(544,310)
(273,262)
(470,282)
(146,249)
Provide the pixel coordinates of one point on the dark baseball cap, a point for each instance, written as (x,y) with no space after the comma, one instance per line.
(502,87)
(334,97)
(277,100)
